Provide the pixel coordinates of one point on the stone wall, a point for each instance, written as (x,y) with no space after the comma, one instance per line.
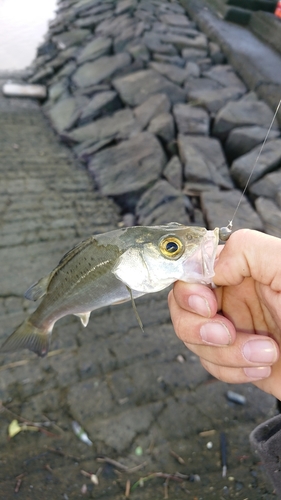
(163,123)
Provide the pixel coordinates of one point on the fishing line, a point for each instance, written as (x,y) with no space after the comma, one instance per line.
(254,166)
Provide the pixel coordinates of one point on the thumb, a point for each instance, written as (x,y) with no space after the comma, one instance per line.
(249,253)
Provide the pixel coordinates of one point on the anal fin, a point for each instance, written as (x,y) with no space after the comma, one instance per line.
(84,317)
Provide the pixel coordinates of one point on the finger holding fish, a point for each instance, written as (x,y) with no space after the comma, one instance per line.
(230,354)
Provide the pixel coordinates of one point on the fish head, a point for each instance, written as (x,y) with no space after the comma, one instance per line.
(161,255)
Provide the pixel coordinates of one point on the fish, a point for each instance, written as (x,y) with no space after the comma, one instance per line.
(111,268)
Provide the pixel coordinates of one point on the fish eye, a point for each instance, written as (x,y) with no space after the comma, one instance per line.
(171,247)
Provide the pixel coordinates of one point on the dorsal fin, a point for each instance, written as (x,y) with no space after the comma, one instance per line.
(74,251)
(38,289)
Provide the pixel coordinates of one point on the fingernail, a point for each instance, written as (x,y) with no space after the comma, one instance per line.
(258,372)
(199,305)
(260,351)
(215,333)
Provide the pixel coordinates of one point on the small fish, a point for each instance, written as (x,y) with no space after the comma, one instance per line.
(111,268)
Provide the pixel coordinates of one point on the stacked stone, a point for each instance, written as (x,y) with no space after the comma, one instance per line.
(150,105)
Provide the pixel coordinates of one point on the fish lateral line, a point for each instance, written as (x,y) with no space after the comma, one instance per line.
(226,231)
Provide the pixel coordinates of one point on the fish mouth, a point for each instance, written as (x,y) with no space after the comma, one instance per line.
(199,267)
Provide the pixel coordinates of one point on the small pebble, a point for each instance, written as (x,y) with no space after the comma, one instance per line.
(235,397)
(138,451)
(180,358)
(84,489)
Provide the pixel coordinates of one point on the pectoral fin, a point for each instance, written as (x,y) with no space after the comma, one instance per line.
(135,309)
(84,318)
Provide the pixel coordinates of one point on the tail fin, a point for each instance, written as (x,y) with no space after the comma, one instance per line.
(27,336)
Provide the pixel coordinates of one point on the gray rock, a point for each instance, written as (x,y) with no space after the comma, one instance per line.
(101,103)
(160,204)
(96,48)
(270,215)
(135,66)
(63,57)
(83,5)
(57,90)
(194,189)
(140,29)
(139,51)
(92,89)
(173,172)
(135,164)
(269,159)
(41,75)
(153,106)
(137,87)
(191,120)
(96,10)
(183,42)
(168,7)
(120,125)
(278,198)
(129,220)
(154,44)
(66,112)
(85,150)
(192,69)
(242,139)
(242,113)
(250,96)
(214,100)
(158,27)
(66,70)
(216,54)
(268,187)
(204,84)
(173,73)
(125,6)
(175,19)
(204,64)
(146,17)
(193,54)
(163,126)
(124,38)
(69,38)
(203,161)
(104,67)
(219,206)
(225,76)
(114,26)
(175,60)
(180,30)
(92,21)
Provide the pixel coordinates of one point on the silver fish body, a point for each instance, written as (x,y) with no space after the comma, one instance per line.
(111,268)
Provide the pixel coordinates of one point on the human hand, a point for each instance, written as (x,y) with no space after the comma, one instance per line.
(235,329)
